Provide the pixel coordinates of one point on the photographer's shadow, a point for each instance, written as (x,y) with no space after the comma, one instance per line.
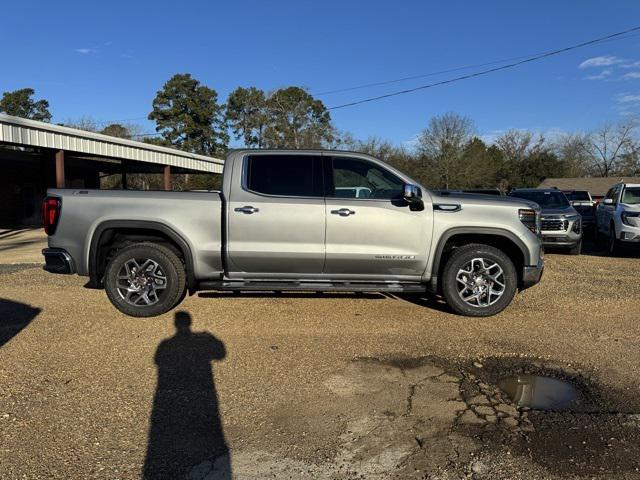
(186,439)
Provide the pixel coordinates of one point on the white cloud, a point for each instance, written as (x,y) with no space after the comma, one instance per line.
(631,76)
(630,65)
(600,62)
(628,98)
(601,76)
(85,51)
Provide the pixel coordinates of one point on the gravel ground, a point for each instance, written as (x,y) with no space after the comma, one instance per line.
(318,385)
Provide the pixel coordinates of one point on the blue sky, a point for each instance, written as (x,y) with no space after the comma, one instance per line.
(106,60)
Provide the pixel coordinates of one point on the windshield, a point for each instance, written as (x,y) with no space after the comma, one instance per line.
(578,196)
(631,195)
(544,199)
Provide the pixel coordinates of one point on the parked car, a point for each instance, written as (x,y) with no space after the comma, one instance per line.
(618,216)
(585,205)
(561,224)
(281,222)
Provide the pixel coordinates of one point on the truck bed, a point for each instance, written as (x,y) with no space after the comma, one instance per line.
(195,216)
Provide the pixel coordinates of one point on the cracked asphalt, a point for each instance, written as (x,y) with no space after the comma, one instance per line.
(308,386)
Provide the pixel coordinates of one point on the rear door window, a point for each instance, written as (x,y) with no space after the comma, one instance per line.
(285,175)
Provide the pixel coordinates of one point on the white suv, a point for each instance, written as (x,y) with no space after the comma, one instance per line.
(618,216)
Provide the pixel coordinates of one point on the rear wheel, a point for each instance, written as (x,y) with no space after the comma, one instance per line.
(145,280)
(479,280)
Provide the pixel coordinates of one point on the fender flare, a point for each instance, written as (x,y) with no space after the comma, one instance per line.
(139,224)
(498,232)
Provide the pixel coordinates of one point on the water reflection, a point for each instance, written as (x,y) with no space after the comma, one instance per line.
(540,393)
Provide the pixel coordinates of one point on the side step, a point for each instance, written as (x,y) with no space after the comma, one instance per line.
(266,286)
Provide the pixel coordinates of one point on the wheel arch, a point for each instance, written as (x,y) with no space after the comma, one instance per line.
(500,238)
(110,231)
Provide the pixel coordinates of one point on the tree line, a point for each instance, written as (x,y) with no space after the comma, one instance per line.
(448,153)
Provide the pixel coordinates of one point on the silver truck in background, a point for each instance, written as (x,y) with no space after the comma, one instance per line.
(560,224)
(618,217)
(296,220)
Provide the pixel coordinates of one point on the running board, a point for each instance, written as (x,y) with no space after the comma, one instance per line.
(266,286)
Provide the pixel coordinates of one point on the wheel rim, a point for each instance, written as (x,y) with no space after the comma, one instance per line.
(140,282)
(480,282)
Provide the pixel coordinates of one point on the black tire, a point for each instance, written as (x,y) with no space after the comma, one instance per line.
(614,243)
(463,256)
(576,249)
(168,264)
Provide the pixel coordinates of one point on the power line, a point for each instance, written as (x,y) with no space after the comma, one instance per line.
(440,72)
(488,71)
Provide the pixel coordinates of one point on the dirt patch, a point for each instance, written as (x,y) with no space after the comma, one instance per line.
(432,418)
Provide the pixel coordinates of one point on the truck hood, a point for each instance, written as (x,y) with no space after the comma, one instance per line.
(486,200)
(568,211)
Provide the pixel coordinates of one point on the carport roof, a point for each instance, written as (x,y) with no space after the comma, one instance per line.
(32,133)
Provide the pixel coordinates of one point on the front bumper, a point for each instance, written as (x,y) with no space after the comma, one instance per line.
(57,260)
(532,274)
(629,234)
(560,238)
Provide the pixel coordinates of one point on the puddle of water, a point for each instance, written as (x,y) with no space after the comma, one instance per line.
(540,393)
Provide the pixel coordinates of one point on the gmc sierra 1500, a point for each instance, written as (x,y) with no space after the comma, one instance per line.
(296,220)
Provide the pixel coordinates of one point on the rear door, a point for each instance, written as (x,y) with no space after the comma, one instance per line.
(371,231)
(276,217)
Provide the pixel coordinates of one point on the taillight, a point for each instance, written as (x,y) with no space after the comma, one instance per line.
(50,214)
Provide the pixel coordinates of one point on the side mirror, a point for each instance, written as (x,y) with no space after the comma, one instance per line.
(411,193)
(608,201)
(413,196)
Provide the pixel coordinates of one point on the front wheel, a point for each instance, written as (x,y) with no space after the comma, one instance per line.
(145,280)
(479,280)
(576,249)
(614,243)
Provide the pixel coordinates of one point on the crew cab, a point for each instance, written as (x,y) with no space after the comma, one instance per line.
(618,217)
(296,220)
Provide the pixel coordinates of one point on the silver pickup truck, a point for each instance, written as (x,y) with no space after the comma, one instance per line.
(296,220)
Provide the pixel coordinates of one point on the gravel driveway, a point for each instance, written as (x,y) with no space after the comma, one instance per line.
(317,385)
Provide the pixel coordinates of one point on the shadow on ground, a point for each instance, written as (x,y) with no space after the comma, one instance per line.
(14,316)
(186,438)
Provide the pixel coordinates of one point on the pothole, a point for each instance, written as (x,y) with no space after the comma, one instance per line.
(539,392)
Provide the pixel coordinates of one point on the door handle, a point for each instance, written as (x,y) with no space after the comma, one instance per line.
(343,212)
(248,209)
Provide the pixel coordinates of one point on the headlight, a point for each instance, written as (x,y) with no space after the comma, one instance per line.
(628,215)
(577,225)
(530,219)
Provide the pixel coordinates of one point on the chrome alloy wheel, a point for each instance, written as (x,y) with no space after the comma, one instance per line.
(480,282)
(140,281)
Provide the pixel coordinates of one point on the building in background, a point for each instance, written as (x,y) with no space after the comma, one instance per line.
(596,186)
(35,156)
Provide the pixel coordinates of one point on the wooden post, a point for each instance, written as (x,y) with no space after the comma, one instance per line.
(60,183)
(167,177)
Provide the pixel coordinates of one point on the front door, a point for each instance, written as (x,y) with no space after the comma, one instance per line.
(604,212)
(276,221)
(372,234)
